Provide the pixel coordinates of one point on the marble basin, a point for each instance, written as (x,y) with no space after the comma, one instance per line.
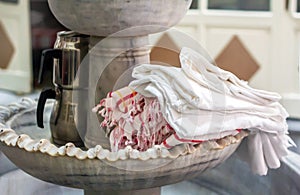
(97,169)
(105,17)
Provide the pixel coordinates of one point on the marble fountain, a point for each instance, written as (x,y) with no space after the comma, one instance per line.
(94,168)
(97,169)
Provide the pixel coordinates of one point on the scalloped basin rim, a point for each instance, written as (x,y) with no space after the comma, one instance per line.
(24,141)
(11,138)
(99,169)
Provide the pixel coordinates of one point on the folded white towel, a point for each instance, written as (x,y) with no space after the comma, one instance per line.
(201,101)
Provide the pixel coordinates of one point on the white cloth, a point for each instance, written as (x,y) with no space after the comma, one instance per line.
(20,183)
(5,164)
(201,101)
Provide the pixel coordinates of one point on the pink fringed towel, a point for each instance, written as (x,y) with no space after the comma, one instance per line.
(133,120)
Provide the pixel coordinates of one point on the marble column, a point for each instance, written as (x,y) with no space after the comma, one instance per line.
(112,60)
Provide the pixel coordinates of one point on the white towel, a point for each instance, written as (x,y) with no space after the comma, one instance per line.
(201,101)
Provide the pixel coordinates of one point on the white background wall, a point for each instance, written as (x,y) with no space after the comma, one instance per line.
(272,38)
(15,19)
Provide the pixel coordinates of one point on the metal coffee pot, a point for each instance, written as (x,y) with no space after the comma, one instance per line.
(69,50)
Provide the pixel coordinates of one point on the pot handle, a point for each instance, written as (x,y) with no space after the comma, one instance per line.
(47,60)
(45,94)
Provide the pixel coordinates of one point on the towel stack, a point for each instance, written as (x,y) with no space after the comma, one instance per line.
(200,102)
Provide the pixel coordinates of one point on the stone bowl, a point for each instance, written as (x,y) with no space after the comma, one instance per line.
(98,169)
(106,17)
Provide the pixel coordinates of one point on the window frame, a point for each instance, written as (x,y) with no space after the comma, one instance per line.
(292,8)
(204,10)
